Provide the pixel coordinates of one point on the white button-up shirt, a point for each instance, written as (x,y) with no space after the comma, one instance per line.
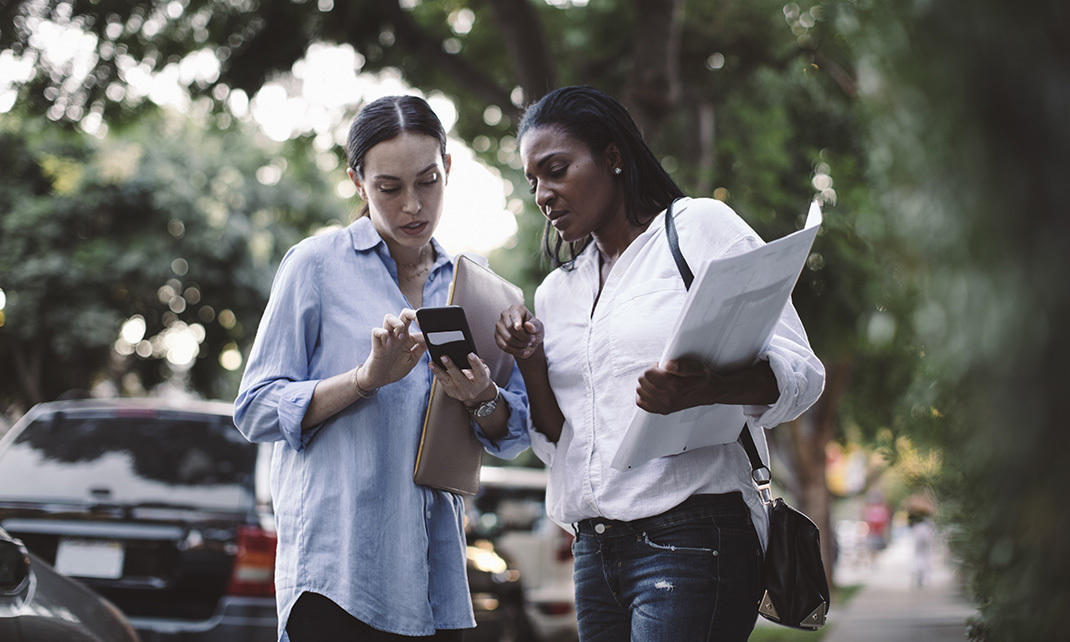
(595,354)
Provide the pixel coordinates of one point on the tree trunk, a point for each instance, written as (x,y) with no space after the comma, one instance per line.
(805,457)
(528,47)
(837,379)
(28,359)
(653,89)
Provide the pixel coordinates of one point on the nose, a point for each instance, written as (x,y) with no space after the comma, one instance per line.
(544,198)
(411,204)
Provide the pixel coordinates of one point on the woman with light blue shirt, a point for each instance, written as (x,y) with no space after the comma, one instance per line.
(332,379)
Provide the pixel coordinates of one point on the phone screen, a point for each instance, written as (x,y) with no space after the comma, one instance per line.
(446,332)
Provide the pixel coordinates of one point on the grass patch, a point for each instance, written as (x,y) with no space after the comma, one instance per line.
(841,595)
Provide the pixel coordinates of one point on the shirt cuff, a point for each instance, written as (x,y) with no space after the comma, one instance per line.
(790,386)
(294,399)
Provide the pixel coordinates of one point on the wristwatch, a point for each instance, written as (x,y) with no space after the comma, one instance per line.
(486,408)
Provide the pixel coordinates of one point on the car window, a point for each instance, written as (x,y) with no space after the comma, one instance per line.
(201,462)
(497,510)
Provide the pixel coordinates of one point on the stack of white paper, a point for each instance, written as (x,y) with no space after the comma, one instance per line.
(727,320)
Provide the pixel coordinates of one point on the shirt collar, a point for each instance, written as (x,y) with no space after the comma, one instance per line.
(365,237)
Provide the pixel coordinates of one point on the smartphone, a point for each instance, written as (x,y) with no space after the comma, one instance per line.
(446,332)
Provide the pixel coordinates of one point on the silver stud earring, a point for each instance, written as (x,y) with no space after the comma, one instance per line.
(617,171)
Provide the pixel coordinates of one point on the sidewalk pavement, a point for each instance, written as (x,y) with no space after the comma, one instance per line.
(889,608)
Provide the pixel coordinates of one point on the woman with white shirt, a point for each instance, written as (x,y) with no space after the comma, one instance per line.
(332,379)
(670,549)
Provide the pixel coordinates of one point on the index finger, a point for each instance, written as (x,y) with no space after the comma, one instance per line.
(395,325)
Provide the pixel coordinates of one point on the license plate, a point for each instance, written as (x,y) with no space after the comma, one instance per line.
(90,558)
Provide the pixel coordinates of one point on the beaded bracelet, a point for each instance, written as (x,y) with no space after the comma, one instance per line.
(361,392)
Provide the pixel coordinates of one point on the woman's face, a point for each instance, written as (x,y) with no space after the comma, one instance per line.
(403,185)
(575,189)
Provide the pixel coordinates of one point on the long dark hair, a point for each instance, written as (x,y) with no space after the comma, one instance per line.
(598,119)
(385,119)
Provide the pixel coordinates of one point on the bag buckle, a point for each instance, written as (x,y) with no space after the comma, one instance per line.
(764,482)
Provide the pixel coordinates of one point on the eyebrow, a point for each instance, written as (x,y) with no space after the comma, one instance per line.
(423,171)
(543,161)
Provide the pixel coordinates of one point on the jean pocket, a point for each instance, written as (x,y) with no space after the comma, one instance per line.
(694,537)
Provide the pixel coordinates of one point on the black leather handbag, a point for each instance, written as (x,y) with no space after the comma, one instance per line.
(795,591)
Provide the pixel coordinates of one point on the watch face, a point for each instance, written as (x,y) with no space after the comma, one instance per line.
(486,408)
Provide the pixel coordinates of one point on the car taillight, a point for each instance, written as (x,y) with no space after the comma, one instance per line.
(254,563)
(554,608)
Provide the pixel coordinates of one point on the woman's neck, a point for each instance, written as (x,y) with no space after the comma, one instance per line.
(409,256)
(612,240)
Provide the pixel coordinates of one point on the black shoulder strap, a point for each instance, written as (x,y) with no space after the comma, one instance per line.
(674,245)
(685,273)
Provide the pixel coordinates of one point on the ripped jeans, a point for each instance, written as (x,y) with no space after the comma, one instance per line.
(689,574)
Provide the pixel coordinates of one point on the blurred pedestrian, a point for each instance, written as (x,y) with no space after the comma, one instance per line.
(924,535)
(670,549)
(878,517)
(363,552)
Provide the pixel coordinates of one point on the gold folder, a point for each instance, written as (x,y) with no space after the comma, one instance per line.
(450,455)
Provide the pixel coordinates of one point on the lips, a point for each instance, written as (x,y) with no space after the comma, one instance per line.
(556,217)
(414,229)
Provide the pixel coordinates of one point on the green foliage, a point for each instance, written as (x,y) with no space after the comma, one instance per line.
(164,220)
(763,106)
(969,102)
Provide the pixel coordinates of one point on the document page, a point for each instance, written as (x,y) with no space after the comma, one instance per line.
(727,320)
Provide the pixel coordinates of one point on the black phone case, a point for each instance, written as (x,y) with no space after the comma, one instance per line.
(445,319)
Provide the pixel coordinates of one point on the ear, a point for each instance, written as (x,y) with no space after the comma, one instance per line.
(447,162)
(353,176)
(612,156)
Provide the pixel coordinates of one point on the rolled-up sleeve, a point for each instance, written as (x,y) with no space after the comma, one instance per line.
(516,439)
(543,448)
(275,390)
(800,375)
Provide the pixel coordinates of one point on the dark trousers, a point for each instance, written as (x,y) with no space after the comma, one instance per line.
(315,618)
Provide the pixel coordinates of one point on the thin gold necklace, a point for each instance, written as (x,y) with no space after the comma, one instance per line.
(413,266)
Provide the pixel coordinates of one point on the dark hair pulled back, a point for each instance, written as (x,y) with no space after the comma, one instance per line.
(387,118)
(597,119)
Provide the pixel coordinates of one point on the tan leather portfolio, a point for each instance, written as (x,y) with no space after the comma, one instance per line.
(450,455)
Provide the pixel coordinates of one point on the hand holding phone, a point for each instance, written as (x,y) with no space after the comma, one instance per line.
(446,332)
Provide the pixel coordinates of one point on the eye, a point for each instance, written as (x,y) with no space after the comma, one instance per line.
(431,179)
(387,190)
(531,186)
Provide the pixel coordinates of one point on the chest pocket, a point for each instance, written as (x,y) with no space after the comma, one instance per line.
(640,321)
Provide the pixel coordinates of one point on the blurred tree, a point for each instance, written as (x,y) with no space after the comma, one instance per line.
(753,102)
(166,221)
(969,134)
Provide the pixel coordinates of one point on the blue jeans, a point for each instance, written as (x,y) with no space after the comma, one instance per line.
(692,573)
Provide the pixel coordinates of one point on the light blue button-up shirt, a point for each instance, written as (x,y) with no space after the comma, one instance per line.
(351,523)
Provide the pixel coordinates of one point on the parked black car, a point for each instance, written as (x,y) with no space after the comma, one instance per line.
(164,509)
(151,504)
(39,605)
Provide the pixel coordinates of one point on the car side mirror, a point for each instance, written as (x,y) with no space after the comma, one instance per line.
(14,567)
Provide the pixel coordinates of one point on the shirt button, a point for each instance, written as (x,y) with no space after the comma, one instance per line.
(428,514)
(599,528)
